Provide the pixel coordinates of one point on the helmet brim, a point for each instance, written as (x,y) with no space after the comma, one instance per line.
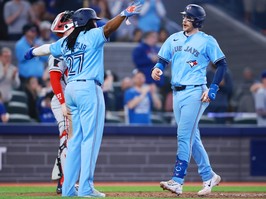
(97,18)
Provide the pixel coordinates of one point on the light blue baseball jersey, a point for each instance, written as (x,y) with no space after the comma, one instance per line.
(86,62)
(190,56)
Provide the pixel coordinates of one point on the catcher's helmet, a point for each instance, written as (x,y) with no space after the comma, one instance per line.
(197,13)
(83,15)
(62,22)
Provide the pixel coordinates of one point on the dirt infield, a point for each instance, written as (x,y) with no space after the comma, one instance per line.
(48,184)
(162,194)
(184,195)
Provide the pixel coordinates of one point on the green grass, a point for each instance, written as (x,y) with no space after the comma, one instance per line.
(21,192)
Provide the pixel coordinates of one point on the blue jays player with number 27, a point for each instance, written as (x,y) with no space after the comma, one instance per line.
(82,51)
(190,51)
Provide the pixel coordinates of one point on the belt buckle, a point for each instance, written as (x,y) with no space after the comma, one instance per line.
(179,88)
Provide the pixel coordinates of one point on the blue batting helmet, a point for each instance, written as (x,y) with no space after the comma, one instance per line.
(197,13)
(83,15)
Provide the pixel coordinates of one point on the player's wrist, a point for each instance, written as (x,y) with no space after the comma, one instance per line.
(213,91)
(215,87)
(29,55)
(133,9)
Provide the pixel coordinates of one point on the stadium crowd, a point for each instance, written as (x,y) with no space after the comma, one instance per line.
(27,23)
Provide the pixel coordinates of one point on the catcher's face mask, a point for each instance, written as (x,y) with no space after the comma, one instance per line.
(62,22)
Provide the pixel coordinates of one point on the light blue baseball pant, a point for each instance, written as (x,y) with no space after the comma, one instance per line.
(188,110)
(86,104)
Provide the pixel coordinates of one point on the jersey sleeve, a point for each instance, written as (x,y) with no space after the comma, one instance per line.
(55,77)
(214,51)
(98,37)
(165,51)
(56,64)
(55,48)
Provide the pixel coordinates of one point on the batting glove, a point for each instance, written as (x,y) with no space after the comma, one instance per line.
(133,9)
(213,91)
(29,55)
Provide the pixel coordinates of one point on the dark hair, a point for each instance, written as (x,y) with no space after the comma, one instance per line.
(71,39)
(147,34)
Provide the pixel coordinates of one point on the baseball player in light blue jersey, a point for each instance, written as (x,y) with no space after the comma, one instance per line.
(82,51)
(189,52)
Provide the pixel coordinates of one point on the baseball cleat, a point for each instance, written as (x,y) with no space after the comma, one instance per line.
(77,187)
(209,184)
(59,187)
(95,194)
(172,186)
(59,190)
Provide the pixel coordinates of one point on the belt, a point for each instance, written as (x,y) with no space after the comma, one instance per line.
(183,87)
(84,80)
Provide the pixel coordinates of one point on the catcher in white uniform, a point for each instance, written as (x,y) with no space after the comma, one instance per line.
(58,76)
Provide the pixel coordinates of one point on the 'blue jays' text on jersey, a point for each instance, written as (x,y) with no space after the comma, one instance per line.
(190,56)
(86,62)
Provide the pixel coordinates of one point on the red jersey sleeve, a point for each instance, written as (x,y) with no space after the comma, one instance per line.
(55,77)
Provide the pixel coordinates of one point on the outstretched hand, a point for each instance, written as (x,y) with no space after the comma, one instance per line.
(29,55)
(133,9)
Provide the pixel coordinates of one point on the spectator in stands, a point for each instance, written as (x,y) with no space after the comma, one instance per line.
(221,103)
(40,12)
(151,16)
(163,35)
(44,109)
(137,35)
(100,12)
(63,5)
(243,100)
(260,14)
(17,14)
(9,79)
(126,83)
(33,88)
(260,101)
(140,99)
(45,36)
(168,105)
(50,7)
(3,25)
(4,116)
(145,56)
(104,7)
(248,6)
(36,64)
(108,91)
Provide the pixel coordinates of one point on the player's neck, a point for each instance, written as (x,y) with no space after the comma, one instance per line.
(192,32)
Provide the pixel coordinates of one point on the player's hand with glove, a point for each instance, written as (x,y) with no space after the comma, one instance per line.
(133,9)
(213,91)
(29,55)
